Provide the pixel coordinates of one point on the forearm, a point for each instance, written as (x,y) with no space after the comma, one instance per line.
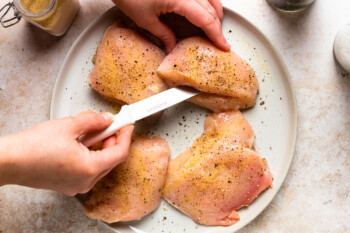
(22,156)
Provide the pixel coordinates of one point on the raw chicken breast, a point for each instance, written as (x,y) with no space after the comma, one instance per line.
(229,82)
(125,66)
(229,128)
(219,174)
(133,188)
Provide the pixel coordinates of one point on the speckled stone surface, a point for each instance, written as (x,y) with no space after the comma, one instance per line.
(315,196)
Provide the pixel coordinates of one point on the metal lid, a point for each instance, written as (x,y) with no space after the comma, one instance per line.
(12,20)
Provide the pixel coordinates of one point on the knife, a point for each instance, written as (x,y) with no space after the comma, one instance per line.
(129,114)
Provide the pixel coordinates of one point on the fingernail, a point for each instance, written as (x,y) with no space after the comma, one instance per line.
(227,46)
(108,116)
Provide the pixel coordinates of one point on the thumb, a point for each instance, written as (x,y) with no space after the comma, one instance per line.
(89,121)
(162,31)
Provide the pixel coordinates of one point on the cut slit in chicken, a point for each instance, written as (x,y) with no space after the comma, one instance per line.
(219,174)
(228,82)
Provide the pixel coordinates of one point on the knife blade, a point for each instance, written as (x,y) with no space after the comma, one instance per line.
(129,114)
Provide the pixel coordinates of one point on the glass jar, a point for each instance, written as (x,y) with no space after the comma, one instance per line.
(53,16)
(290,5)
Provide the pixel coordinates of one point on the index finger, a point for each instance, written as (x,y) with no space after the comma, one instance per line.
(203,19)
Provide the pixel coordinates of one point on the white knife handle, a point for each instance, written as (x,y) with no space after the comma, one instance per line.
(123,118)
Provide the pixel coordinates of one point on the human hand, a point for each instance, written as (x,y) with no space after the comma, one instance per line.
(206,14)
(49,155)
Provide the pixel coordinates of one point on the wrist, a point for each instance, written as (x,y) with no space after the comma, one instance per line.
(7,160)
(3,161)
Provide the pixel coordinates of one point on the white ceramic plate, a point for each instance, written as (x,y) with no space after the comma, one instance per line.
(273,118)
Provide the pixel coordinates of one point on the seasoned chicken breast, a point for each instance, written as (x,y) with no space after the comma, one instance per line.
(125,66)
(228,81)
(132,189)
(229,128)
(219,174)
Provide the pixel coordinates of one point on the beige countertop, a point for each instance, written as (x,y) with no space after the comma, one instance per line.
(315,196)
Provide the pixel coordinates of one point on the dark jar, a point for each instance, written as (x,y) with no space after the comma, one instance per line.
(290,5)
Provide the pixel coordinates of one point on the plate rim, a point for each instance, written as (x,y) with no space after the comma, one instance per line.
(294,117)
(273,50)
